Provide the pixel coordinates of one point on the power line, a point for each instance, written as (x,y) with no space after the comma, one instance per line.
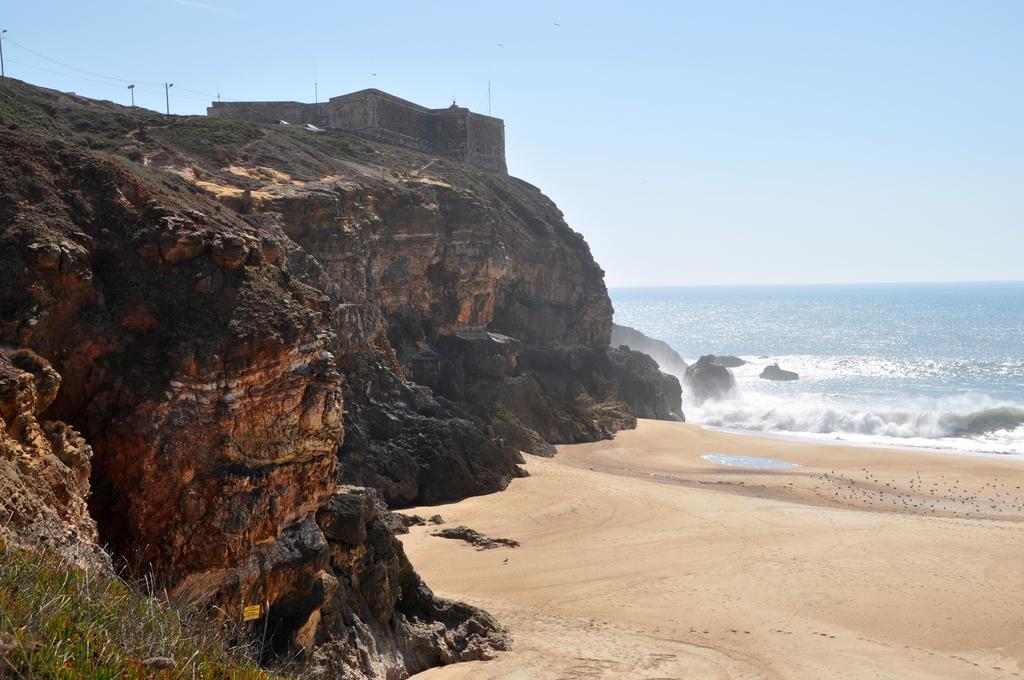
(122,82)
(181,96)
(74,76)
(75,68)
(204,94)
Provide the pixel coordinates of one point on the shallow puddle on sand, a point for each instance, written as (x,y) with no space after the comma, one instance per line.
(747,461)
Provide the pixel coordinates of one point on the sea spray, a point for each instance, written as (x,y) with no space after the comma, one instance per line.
(779,415)
(940,366)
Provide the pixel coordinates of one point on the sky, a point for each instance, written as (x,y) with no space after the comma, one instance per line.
(691,143)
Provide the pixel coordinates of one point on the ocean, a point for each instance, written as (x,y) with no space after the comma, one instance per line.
(912,365)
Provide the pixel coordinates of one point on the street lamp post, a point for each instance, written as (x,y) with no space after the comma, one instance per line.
(2,73)
(167,96)
(131,88)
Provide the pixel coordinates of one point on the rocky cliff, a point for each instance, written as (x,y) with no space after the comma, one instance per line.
(244,317)
(668,359)
(44,466)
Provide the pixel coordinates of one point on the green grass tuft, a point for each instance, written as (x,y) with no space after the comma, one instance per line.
(57,621)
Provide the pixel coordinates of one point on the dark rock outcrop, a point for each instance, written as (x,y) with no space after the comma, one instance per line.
(396,624)
(668,359)
(729,361)
(399,523)
(708,380)
(475,538)
(422,450)
(773,372)
(343,570)
(534,397)
(648,391)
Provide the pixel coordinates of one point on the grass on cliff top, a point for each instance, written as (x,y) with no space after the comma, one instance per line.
(57,621)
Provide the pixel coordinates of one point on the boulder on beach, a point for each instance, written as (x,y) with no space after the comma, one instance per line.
(709,380)
(773,372)
(729,361)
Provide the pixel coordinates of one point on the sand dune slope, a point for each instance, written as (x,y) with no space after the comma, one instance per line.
(641,560)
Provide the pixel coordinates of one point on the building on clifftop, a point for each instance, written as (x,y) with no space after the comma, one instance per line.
(455,131)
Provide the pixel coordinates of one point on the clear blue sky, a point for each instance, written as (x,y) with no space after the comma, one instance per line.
(691,143)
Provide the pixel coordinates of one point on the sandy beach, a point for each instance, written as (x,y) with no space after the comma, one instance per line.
(640,559)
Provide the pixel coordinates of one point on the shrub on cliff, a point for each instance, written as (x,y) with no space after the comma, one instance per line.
(59,621)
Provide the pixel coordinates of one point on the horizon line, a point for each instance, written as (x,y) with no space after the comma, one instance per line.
(818,283)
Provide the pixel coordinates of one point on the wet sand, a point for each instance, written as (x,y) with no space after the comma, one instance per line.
(640,559)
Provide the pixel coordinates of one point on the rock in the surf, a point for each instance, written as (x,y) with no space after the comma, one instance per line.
(773,372)
(709,380)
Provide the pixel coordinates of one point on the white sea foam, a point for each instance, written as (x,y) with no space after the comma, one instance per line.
(935,365)
(968,422)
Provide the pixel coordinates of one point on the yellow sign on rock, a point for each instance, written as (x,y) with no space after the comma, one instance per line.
(252,612)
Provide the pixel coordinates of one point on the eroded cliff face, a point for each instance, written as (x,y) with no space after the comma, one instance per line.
(195,364)
(199,362)
(44,466)
(245,317)
(468,283)
(668,359)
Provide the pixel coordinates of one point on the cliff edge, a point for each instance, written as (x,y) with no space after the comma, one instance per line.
(246,319)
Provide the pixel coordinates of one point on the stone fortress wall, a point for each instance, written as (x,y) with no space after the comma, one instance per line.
(455,131)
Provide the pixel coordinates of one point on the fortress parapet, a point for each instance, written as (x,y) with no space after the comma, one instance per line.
(455,131)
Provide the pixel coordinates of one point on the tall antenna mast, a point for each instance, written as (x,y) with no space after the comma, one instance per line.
(488,96)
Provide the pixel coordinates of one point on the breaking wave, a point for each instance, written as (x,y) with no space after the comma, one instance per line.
(984,422)
(873,400)
(817,419)
(929,365)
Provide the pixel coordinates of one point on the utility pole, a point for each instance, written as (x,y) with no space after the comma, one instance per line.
(488,96)
(2,73)
(167,96)
(131,88)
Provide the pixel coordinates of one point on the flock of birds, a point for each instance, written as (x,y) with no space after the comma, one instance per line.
(946,495)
